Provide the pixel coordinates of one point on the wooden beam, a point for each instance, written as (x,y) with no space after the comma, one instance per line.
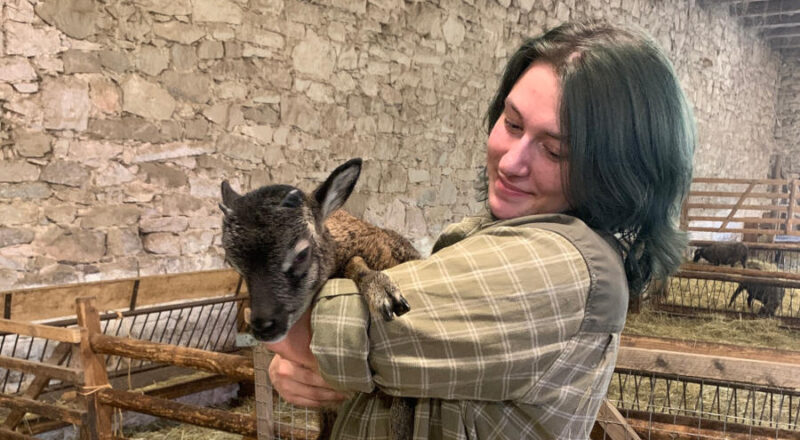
(658,426)
(777,208)
(785,43)
(734,278)
(769,34)
(12,435)
(752,195)
(56,412)
(38,384)
(614,425)
(765,8)
(65,374)
(772,22)
(98,420)
(758,246)
(53,302)
(719,180)
(746,274)
(168,409)
(71,335)
(238,367)
(702,366)
(714,349)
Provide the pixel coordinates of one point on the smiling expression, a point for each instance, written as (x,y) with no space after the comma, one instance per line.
(526,162)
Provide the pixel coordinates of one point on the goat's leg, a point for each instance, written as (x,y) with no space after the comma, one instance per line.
(383,297)
(401,416)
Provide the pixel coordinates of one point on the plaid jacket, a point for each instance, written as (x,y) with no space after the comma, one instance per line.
(513,333)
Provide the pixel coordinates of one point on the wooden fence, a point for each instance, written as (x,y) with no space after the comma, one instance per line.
(753,207)
(644,365)
(95,396)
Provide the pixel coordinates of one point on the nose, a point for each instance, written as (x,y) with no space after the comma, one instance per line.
(516,161)
(261,325)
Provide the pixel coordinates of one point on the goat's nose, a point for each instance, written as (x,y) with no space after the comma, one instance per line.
(262,325)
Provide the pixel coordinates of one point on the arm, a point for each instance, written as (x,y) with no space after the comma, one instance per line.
(489,316)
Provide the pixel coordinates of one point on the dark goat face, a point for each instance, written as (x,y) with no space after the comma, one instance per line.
(275,238)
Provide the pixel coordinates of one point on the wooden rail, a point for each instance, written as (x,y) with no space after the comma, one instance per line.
(206,417)
(71,335)
(737,275)
(235,366)
(718,201)
(704,361)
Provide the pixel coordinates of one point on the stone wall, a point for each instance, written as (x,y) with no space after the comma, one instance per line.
(120,118)
(787,129)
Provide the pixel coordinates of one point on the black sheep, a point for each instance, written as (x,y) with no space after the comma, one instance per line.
(723,253)
(771,297)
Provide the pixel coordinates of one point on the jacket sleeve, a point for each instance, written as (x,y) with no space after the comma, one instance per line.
(489,315)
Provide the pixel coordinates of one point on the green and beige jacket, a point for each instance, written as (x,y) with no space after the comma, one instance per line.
(513,334)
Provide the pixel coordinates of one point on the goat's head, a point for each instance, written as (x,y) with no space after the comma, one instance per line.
(276,239)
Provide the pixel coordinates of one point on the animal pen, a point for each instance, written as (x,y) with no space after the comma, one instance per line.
(89,351)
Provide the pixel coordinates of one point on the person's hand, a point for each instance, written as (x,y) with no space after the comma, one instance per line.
(301,386)
(296,345)
(294,372)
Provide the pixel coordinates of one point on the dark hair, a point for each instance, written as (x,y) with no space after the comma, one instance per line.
(629,134)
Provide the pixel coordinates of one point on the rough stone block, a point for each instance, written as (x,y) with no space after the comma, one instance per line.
(210,50)
(33,144)
(65,173)
(75,18)
(223,11)
(14,236)
(80,61)
(18,171)
(26,40)
(77,246)
(194,87)
(152,60)
(16,69)
(66,103)
(179,32)
(146,99)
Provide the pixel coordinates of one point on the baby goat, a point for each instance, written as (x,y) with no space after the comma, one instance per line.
(723,253)
(286,244)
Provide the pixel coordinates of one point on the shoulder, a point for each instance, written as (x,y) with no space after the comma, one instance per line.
(607,301)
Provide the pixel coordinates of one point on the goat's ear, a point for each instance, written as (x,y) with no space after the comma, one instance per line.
(294,199)
(332,194)
(228,196)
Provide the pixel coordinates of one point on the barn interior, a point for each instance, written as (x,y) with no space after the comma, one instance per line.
(120,119)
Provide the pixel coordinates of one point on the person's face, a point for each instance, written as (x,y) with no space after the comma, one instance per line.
(525,161)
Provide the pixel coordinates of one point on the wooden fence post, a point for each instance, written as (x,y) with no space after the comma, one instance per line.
(98,423)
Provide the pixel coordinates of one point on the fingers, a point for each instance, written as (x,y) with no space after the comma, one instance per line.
(301,386)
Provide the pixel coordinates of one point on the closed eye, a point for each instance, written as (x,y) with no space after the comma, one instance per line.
(301,257)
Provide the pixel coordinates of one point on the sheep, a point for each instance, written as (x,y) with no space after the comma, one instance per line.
(286,244)
(723,253)
(771,297)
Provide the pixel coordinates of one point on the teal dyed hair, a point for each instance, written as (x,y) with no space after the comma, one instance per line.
(629,134)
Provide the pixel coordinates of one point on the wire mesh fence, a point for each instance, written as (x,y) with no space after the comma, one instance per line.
(660,404)
(276,418)
(209,324)
(695,295)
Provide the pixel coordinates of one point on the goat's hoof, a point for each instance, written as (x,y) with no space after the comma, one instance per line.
(386,311)
(401,307)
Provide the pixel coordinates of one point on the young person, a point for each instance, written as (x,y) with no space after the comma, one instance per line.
(516,316)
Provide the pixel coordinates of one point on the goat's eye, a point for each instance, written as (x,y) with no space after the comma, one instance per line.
(301,257)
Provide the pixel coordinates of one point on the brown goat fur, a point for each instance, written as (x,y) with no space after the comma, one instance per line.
(286,244)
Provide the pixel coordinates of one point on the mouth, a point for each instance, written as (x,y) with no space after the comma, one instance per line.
(268,336)
(508,189)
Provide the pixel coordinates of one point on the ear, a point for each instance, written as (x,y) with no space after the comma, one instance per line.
(332,194)
(294,199)
(228,196)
